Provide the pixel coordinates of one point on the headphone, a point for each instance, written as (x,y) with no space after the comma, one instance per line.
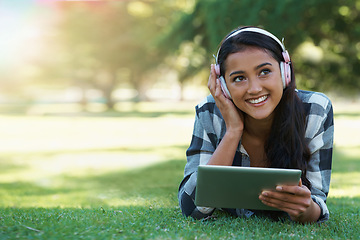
(284,66)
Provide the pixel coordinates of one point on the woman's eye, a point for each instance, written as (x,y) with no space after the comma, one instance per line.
(264,72)
(239,78)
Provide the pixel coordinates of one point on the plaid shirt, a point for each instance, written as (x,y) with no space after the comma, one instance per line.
(209,129)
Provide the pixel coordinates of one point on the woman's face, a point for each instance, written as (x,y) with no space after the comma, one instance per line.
(254,80)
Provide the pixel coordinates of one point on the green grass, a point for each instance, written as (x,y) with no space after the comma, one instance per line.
(147,222)
(66,174)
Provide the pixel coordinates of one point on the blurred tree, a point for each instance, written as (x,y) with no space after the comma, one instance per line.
(321,35)
(333,60)
(187,62)
(97,41)
(103,39)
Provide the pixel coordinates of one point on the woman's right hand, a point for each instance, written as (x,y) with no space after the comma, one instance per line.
(233,117)
(234,120)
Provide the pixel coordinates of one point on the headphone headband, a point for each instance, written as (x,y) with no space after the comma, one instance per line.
(256,30)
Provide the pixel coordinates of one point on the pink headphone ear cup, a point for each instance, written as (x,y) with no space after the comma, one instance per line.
(285,73)
(224,89)
(286,67)
(282,71)
(217,69)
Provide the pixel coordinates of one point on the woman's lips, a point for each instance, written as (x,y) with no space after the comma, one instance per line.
(258,100)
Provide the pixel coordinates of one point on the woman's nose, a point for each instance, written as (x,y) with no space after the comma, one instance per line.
(254,86)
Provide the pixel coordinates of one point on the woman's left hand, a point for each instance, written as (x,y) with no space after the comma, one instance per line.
(295,200)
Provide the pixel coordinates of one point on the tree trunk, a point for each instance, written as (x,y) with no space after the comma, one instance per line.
(139,85)
(108,89)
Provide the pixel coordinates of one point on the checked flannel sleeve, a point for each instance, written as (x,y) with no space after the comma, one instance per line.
(319,135)
(209,128)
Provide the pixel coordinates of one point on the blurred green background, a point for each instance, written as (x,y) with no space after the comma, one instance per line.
(114,51)
(90,88)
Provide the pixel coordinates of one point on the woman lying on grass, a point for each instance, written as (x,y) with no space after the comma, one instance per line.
(262,120)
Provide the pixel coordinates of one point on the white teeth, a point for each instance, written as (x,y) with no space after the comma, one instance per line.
(258,100)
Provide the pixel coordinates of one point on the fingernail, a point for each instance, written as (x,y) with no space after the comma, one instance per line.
(279,188)
(265,193)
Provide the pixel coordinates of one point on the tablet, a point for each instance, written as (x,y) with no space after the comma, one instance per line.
(239,187)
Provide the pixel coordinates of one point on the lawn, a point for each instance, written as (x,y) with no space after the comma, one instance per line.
(71,174)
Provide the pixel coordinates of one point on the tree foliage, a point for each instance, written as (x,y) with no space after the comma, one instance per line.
(110,43)
(328,29)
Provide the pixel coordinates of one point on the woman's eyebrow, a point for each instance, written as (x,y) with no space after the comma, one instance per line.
(256,68)
(263,64)
(236,72)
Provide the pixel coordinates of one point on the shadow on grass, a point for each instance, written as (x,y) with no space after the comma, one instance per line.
(7,166)
(135,114)
(159,181)
(347,114)
(348,204)
(346,160)
(109,114)
(154,110)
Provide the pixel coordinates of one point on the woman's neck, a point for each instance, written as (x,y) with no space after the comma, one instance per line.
(259,129)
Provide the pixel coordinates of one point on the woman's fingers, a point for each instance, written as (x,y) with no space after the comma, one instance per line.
(212,79)
(295,200)
(218,91)
(287,193)
(232,115)
(215,87)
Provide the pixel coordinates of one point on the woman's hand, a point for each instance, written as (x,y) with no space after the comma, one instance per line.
(234,120)
(295,200)
(233,117)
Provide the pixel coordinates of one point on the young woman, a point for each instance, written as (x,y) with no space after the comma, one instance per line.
(260,119)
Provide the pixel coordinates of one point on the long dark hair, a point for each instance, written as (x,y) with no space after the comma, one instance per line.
(286,146)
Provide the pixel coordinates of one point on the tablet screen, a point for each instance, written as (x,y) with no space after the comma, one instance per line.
(239,187)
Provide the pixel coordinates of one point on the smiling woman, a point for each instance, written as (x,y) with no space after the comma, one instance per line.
(255,117)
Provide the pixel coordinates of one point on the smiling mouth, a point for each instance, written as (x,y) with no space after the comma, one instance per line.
(258,100)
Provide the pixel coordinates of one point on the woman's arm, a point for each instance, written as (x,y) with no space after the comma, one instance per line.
(234,120)
(216,136)
(207,133)
(320,134)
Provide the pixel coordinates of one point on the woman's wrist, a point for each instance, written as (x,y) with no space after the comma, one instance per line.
(311,215)
(234,133)
(314,212)
(225,152)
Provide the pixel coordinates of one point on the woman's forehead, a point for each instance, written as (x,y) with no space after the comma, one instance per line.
(249,56)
